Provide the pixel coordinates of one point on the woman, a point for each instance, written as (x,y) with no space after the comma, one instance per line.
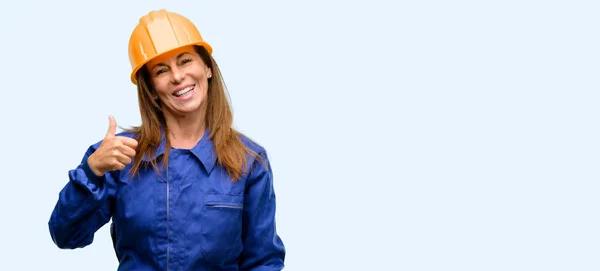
(185,191)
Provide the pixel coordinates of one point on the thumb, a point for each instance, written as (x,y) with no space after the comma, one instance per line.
(112,127)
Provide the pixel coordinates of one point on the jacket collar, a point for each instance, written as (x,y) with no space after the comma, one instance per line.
(204,150)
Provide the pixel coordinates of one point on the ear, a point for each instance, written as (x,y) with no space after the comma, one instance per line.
(208,73)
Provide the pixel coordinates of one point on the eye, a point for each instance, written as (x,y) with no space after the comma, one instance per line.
(186,60)
(161,71)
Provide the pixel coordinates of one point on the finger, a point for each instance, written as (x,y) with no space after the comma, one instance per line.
(112,127)
(128,141)
(123,159)
(126,150)
(119,166)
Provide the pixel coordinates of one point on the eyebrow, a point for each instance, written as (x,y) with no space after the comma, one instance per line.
(178,56)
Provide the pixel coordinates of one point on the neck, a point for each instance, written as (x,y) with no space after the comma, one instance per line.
(185,131)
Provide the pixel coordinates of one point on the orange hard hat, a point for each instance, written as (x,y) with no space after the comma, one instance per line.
(159,32)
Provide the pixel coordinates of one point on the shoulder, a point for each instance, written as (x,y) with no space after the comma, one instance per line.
(259,164)
(258,168)
(252,144)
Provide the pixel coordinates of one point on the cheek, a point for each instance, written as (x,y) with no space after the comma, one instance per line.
(198,72)
(161,87)
(205,86)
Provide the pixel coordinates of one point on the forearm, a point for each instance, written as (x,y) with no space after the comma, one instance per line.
(82,206)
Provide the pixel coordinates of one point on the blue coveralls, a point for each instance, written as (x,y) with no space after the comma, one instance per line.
(191,216)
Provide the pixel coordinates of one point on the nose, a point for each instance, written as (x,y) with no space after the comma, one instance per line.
(177,75)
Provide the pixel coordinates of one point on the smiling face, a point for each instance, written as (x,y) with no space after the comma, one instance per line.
(180,79)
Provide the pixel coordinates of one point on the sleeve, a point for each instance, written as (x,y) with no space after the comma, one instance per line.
(83,206)
(263,248)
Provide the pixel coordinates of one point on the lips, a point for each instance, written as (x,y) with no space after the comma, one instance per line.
(180,91)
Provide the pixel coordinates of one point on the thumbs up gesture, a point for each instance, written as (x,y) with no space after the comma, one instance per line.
(114,153)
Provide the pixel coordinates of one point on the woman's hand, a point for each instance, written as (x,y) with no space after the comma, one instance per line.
(114,153)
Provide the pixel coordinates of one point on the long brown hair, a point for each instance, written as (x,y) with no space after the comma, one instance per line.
(230,151)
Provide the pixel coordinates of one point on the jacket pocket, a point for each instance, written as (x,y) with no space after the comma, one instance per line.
(222,227)
(213,201)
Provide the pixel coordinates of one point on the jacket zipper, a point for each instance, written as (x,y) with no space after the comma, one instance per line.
(168,230)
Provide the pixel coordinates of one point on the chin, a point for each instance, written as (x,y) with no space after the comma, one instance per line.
(192,108)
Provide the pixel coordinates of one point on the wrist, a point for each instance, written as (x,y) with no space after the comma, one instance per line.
(92,167)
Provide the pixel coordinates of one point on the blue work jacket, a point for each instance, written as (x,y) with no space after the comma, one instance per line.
(190,216)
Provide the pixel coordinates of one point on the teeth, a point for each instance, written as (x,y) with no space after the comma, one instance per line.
(184,91)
